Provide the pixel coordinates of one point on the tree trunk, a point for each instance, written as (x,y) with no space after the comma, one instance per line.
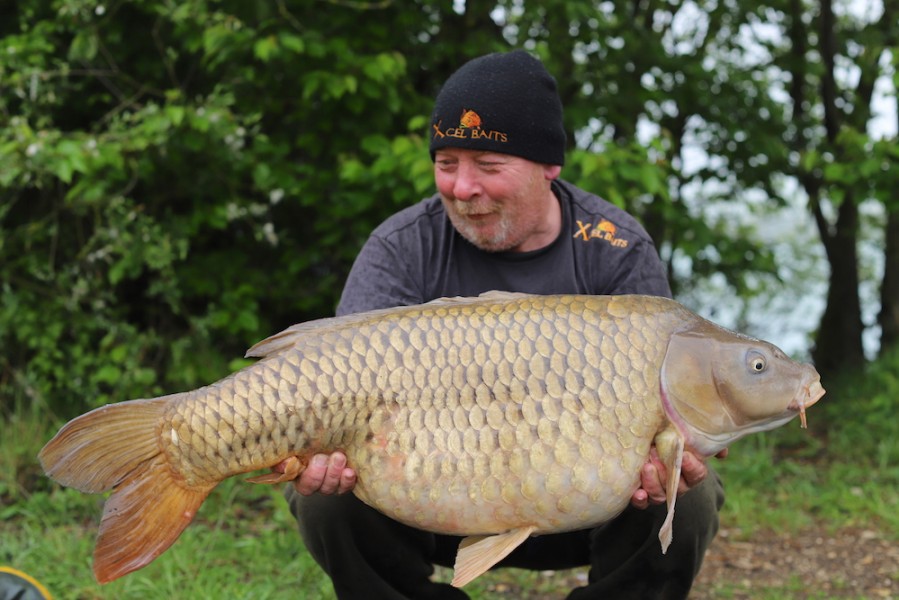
(838,341)
(888,319)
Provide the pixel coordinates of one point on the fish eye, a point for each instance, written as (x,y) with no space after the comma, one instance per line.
(757,362)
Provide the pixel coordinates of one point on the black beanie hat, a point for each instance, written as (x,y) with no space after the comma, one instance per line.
(506,103)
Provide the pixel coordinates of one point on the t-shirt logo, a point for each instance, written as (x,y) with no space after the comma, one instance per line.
(604,230)
(469,128)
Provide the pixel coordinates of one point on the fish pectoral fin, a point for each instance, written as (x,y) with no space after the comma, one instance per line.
(480,552)
(286,470)
(670,446)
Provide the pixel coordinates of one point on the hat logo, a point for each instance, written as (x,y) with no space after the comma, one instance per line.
(469,119)
(469,128)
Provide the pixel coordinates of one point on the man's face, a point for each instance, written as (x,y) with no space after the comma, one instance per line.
(497,201)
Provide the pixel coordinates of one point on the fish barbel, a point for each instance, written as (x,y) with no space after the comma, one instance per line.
(497,418)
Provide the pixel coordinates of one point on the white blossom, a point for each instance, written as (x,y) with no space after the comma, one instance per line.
(268,230)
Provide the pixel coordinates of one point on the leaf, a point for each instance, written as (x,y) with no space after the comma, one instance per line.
(108,374)
(175,114)
(264,49)
(74,153)
(292,42)
(63,170)
(84,46)
(838,173)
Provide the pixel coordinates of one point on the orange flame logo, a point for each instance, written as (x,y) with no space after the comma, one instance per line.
(470,119)
(607,226)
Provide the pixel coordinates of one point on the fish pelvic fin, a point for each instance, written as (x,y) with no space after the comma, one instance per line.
(117,447)
(478,553)
(670,446)
(287,470)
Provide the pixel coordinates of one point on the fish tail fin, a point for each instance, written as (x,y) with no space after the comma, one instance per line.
(143,517)
(95,452)
(117,447)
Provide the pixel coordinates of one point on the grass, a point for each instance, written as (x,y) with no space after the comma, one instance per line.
(243,544)
(842,472)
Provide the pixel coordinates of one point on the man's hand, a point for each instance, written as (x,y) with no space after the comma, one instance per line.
(326,474)
(654,476)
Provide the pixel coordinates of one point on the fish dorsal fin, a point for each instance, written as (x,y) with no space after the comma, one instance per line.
(294,334)
(670,446)
(279,342)
(478,553)
(498,295)
(491,296)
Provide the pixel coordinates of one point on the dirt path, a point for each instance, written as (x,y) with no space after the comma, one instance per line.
(849,564)
(853,563)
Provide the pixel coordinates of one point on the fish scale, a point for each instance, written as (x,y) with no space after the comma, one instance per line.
(502,416)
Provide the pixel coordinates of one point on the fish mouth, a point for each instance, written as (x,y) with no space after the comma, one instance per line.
(810,395)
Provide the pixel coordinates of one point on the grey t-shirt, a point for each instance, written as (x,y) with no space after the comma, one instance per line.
(416,256)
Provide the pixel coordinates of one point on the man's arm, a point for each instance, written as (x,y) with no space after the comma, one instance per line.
(380,278)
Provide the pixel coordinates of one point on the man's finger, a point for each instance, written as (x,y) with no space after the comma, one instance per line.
(651,480)
(640,499)
(693,472)
(310,480)
(331,482)
(347,481)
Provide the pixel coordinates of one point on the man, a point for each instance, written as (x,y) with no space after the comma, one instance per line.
(502,220)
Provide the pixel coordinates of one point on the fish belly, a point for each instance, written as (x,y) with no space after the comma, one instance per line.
(556,486)
(498,421)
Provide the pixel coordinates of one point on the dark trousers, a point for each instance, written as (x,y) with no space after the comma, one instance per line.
(369,556)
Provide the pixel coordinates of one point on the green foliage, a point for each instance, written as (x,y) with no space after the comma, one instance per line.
(181,179)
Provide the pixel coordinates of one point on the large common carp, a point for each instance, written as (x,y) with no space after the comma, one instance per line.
(497,417)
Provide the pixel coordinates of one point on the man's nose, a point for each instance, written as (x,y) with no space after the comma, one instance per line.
(466,185)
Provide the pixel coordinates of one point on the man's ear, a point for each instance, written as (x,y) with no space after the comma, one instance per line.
(551,172)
